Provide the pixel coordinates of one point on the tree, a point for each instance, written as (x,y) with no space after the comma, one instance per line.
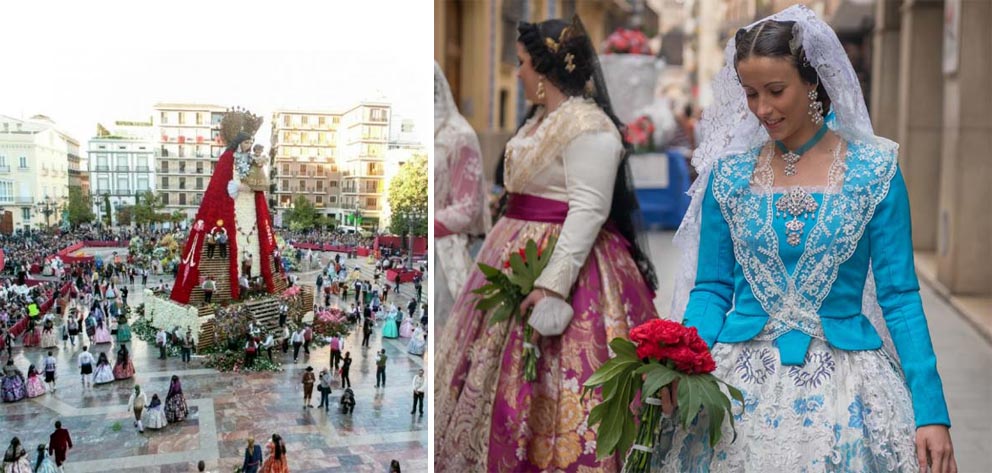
(177,216)
(106,210)
(125,214)
(408,194)
(148,209)
(80,207)
(303,215)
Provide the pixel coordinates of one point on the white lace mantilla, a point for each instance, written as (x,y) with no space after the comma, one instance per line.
(793,301)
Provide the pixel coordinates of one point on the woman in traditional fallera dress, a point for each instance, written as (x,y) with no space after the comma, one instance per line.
(102,334)
(13,385)
(275,456)
(15,458)
(176,409)
(124,367)
(567,175)
(32,336)
(35,386)
(43,461)
(798,271)
(123,329)
(461,207)
(390,329)
(103,372)
(49,337)
(153,416)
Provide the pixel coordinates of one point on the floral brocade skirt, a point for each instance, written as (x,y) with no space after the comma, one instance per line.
(841,411)
(486,417)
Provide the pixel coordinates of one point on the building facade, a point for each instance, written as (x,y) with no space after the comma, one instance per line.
(305,161)
(365,134)
(188,146)
(475,44)
(34,172)
(931,66)
(121,165)
(403,146)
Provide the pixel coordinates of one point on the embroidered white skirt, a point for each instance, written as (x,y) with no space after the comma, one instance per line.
(841,411)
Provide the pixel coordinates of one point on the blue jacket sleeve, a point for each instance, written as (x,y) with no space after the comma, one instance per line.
(898,291)
(712,295)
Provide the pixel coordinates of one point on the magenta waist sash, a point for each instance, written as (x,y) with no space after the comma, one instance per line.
(536,209)
(539,209)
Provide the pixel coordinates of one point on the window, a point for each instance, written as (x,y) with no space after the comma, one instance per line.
(182,151)
(165,166)
(26,213)
(165,198)
(303,185)
(322,121)
(122,162)
(333,184)
(164,118)
(182,167)
(320,200)
(303,119)
(182,118)
(24,162)
(199,118)
(165,182)
(102,184)
(182,183)
(320,170)
(332,199)
(285,185)
(122,185)
(320,186)
(182,199)
(6,191)
(336,120)
(371,203)
(142,183)
(286,120)
(3,161)
(377,115)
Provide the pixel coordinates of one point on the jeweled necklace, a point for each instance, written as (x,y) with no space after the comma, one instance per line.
(793,157)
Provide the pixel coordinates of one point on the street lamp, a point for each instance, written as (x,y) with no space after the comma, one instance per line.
(48,206)
(410,218)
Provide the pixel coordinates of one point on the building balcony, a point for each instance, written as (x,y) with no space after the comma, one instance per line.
(24,200)
(101,168)
(121,168)
(4,168)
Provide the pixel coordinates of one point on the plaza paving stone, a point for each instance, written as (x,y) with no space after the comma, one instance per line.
(227,408)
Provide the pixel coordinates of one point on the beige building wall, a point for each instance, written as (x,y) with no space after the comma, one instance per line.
(188,149)
(306,160)
(945,131)
(34,170)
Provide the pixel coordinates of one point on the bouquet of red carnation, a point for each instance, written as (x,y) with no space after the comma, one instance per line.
(624,41)
(640,133)
(666,352)
(508,288)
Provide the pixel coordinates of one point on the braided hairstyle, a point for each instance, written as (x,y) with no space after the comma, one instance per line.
(564,54)
(776,39)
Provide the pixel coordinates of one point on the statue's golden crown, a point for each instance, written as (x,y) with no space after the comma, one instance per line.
(237,120)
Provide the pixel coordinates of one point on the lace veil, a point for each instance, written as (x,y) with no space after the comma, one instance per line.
(728,128)
(454,136)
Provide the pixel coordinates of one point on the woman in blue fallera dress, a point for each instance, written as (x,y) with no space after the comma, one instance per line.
(798,271)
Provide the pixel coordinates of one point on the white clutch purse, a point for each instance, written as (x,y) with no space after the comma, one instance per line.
(551,316)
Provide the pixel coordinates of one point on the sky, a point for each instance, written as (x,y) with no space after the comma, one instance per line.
(83,63)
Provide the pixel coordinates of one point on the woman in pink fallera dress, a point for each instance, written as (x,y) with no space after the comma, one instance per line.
(36,387)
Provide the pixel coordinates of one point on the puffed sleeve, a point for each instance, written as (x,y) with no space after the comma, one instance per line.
(712,295)
(465,202)
(898,293)
(591,164)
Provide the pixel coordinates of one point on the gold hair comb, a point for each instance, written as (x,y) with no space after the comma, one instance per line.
(569,65)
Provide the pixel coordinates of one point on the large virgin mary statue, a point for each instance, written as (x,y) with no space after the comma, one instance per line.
(234,209)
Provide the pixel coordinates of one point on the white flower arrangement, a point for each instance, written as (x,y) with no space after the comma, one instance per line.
(165,313)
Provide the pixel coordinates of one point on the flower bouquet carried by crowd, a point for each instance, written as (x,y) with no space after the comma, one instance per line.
(624,41)
(507,288)
(659,353)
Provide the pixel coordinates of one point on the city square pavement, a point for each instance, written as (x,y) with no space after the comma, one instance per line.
(227,408)
(964,360)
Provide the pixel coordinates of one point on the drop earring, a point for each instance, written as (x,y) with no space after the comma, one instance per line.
(815,108)
(540,89)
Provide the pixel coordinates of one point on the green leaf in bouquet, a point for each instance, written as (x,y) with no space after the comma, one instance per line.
(521,269)
(523,282)
(715,404)
(613,368)
(501,313)
(624,348)
(487,303)
(597,413)
(611,429)
(489,271)
(689,400)
(658,376)
(486,289)
(531,252)
(545,257)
